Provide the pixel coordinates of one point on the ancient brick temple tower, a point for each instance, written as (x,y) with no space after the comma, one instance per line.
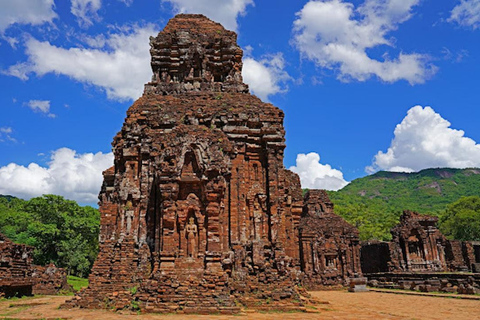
(198,212)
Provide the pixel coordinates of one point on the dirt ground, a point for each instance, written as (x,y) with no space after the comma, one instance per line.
(337,305)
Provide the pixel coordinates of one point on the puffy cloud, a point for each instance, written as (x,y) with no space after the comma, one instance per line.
(222,11)
(74,176)
(314,175)
(86,11)
(39,105)
(120,65)
(34,12)
(425,140)
(19,70)
(466,13)
(6,134)
(42,106)
(336,35)
(267,76)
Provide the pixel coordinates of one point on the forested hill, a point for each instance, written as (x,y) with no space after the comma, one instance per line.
(375,203)
(8,198)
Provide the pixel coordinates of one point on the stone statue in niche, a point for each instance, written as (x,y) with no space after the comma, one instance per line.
(129,216)
(257,219)
(441,252)
(192,232)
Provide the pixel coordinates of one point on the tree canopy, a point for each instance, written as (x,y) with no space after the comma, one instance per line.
(461,220)
(61,231)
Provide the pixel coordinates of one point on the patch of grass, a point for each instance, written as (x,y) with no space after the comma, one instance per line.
(77,283)
(20,298)
(14,310)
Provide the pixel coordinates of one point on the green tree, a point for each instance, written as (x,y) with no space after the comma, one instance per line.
(461,220)
(61,231)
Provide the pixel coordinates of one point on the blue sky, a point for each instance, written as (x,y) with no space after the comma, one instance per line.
(365,85)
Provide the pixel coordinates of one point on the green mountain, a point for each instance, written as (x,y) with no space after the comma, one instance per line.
(375,203)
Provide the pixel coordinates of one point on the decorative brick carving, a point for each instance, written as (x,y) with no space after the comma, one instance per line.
(330,247)
(417,246)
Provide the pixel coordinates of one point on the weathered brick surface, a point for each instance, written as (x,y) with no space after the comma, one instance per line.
(417,258)
(15,268)
(417,246)
(49,280)
(18,276)
(198,212)
(330,247)
(463,283)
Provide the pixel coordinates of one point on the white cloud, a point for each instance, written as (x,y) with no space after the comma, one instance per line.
(86,11)
(6,134)
(225,12)
(314,175)
(74,176)
(6,130)
(466,13)
(19,70)
(336,35)
(267,76)
(34,12)
(39,105)
(120,67)
(42,106)
(425,140)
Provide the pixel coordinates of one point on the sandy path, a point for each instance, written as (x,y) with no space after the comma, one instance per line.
(342,305)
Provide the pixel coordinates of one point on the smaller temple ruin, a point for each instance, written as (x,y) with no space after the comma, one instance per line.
(417,246)
(330,247)
(20,277)
(418,257)
(15,268)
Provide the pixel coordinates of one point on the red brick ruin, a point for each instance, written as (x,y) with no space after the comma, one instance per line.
(417,254)
(330,247)
(417,246)
(15,268)
(198,213)
(19,277)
